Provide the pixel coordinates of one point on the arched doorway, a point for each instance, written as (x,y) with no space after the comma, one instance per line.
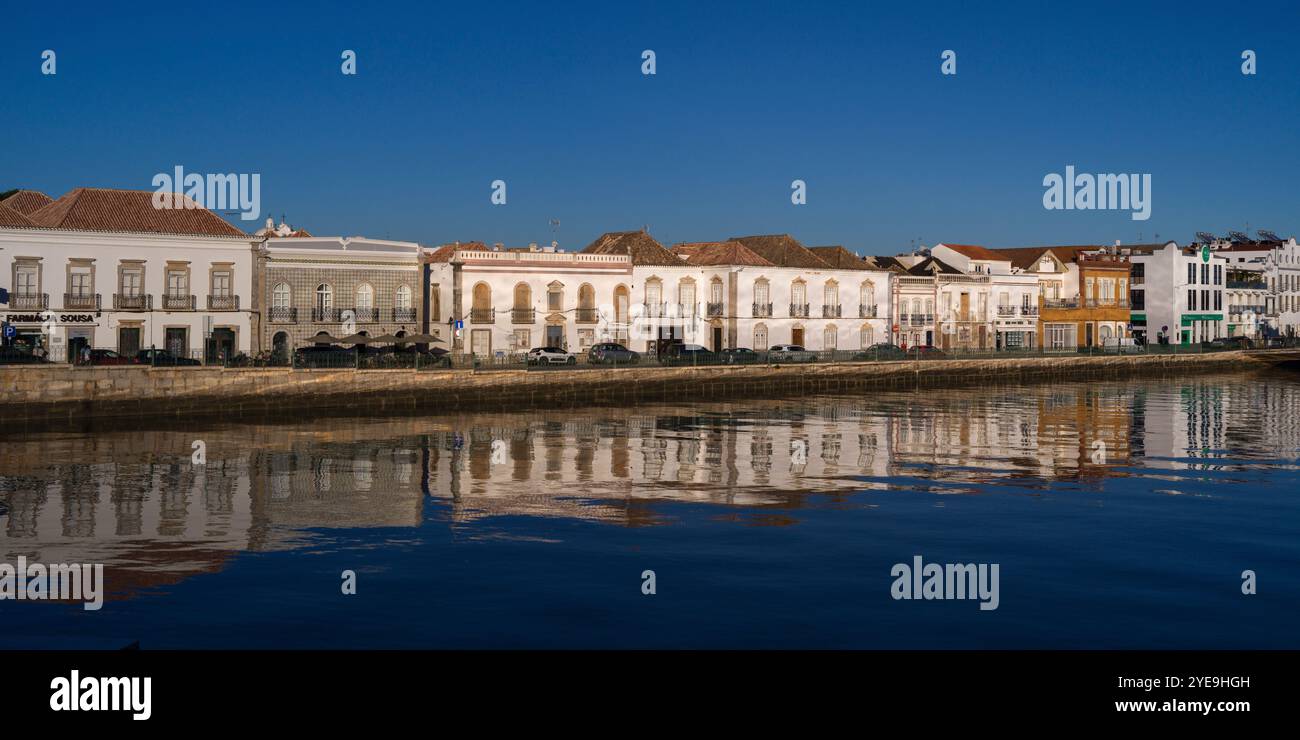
(280,348)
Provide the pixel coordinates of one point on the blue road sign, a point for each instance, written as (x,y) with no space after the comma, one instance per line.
(460,324)
(10,331)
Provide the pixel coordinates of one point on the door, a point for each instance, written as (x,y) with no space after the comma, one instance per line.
(555,336)
(128,341)
(1087,333)
(221,346)
(965,307)
(177,343)
(481,342)
(717,339)
(796,336)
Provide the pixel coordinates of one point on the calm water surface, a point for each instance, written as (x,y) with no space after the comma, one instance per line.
(767,523)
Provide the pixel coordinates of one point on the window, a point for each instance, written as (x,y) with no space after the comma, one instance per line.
(686,293)
(760,337)
(555,297)
(27,280)
(521,340)
(523,297)
(178,282)
(132,281)
(79,281)
(1191,273)
(280,297)
(1191,300)
(1205,274)
(402,299)
(829,337)
(798,293)
(761,293)
(868,336)
(324,296)
(365,296)
(831,294)
(586,338)
(221,284)
(715,291)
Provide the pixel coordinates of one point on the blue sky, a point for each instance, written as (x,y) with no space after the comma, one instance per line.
(747,97)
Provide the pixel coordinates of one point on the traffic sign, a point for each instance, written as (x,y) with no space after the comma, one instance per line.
(10,331)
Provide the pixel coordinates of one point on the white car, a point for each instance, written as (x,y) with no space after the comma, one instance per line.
(550,356)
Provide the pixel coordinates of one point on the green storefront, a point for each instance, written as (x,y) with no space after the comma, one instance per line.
(1188,320)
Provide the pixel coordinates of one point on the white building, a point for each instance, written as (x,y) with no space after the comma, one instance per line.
(1178,293)
(107,269)
(1280,260)
(1006,305)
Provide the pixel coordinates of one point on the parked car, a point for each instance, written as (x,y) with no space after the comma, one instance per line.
(689,354)
(163,358)
(882,351)
(18,356)
(604,352)
(740,356)
(327,355)
(926,352)
(550,356)
(1275,342)
(790,353)
(109,357)
(1230,343)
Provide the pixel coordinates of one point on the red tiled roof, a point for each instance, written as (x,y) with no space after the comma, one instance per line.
(705,254)
(445,252)
(301,234)
(98,209)
(13,219)
(840,258)
(782,250)
(975,252)
(639,245)
(27,202)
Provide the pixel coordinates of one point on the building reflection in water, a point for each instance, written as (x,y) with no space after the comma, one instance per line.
(133,500)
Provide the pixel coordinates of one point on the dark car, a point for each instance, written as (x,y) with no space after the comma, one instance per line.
(790,353)
(19,356)
(926,352)
(740,356)
(1230,343)
(163,358)
(109,357)
(611,352)
(882,351)
(324,356)
(689,354)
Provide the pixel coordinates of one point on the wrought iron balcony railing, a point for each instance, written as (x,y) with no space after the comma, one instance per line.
(82,301)
(714,309)
(762,310)
(831,311)
(175,302)
(798,310)
(282,315)
(523,315)
(223,303)
(587,315)
(401,315)
(29,300)
(321,315)
(482,316)
(866,312)
(132,302)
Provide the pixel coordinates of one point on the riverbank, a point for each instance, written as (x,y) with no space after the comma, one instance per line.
(60,394)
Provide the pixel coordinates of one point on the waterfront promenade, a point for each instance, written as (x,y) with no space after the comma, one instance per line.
(64,394)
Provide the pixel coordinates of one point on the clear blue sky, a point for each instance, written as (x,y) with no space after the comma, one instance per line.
(749,96)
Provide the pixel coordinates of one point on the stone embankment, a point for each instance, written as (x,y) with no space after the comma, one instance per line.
(62,393)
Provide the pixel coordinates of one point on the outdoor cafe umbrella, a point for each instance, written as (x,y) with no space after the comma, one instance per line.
(356,339)
(419,339)
(387,339)
(325,338)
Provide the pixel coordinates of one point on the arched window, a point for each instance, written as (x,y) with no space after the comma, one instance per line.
(586,296)
(760,337)
(365,296)
(402,299)
(523,296)
(621,304)
(281,296)
(762,299)
(482,297)
(324,296)
(868,336)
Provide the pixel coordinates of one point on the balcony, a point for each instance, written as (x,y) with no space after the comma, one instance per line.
(866,312)
(523,315)
(1060,303)
(922,319)
(174,302)
(39,301)
(223,303)
(132,302)
(324,315)
(587,316)
(762,310)
(282,315)
(715,309)
(482,316)
(403,315)
(81,301)
(1031,311)
(365,315)
(831,311)
(798,310)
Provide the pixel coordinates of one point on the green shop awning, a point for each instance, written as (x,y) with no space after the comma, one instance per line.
(1188,318)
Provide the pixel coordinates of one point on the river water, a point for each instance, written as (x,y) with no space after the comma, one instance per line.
(1119,514)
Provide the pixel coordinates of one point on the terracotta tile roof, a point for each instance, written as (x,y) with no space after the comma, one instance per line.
(301,234)
(888,263)
(975,252)
(13,219)
(718,253)
(1027,258)
(782,250)
(840,258)
(639,245)
(933,266)
(98,209)
(27,202)
(445,252)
